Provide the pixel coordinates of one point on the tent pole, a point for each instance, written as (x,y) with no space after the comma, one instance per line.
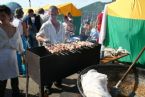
(30,3)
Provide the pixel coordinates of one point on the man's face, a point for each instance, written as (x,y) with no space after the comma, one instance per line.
(4,16)
(87,26)
(31,14)
(21,13)
(53,13)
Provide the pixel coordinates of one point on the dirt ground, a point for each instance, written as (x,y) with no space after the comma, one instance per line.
(69,88)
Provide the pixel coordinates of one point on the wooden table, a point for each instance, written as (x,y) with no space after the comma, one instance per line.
(111,58)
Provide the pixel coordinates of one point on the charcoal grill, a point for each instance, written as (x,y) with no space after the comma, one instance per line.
(44,67)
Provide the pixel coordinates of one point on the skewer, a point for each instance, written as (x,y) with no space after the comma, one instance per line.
(61,53)
(72,51)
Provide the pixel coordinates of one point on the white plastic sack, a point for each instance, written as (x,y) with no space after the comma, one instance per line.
(94,84)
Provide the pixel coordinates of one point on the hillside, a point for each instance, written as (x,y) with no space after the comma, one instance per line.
(90,11)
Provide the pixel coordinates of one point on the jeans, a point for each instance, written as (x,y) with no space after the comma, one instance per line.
(32,41)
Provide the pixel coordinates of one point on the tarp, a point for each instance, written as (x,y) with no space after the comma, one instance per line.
(69,7)
(46,7)
(76,13)
(125,27)
(65,8)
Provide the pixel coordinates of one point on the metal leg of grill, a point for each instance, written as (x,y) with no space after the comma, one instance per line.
(27,80)
(41,91)
(27,86)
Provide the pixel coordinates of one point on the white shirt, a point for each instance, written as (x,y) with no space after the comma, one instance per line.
(44,18)
(48,31)
(18,24)
(94,35)
(65,25)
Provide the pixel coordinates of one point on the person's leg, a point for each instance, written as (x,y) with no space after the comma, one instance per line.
(19,63)
(35,42)
(48,88)
(30,41)
(25,46)
(2,87)
(24,41)
(15,87)
(58,83)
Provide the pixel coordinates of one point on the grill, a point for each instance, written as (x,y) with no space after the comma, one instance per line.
(44,67)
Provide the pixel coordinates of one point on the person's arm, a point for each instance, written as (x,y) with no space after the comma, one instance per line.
(25,29)
(20,44)
(41,35)
(64,34)
(25,26)
(38,22)
(41,38)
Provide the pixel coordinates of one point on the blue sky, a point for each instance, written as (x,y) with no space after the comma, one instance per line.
(39,3)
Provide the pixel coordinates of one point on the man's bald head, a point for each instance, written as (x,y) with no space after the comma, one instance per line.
(53,8)
(53,12)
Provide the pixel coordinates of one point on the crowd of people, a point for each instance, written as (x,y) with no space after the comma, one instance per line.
(19,32)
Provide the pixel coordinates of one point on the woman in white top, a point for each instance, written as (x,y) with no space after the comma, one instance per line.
(10,42)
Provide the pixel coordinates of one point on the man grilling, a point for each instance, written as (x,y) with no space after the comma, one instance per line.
(52,31)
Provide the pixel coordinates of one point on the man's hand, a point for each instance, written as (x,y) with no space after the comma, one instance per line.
(23,57)
(47,41)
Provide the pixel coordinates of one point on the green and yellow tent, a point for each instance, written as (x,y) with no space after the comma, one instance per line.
(65,8)
(46,7)
(69,7)
(125,27)
(76,13)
